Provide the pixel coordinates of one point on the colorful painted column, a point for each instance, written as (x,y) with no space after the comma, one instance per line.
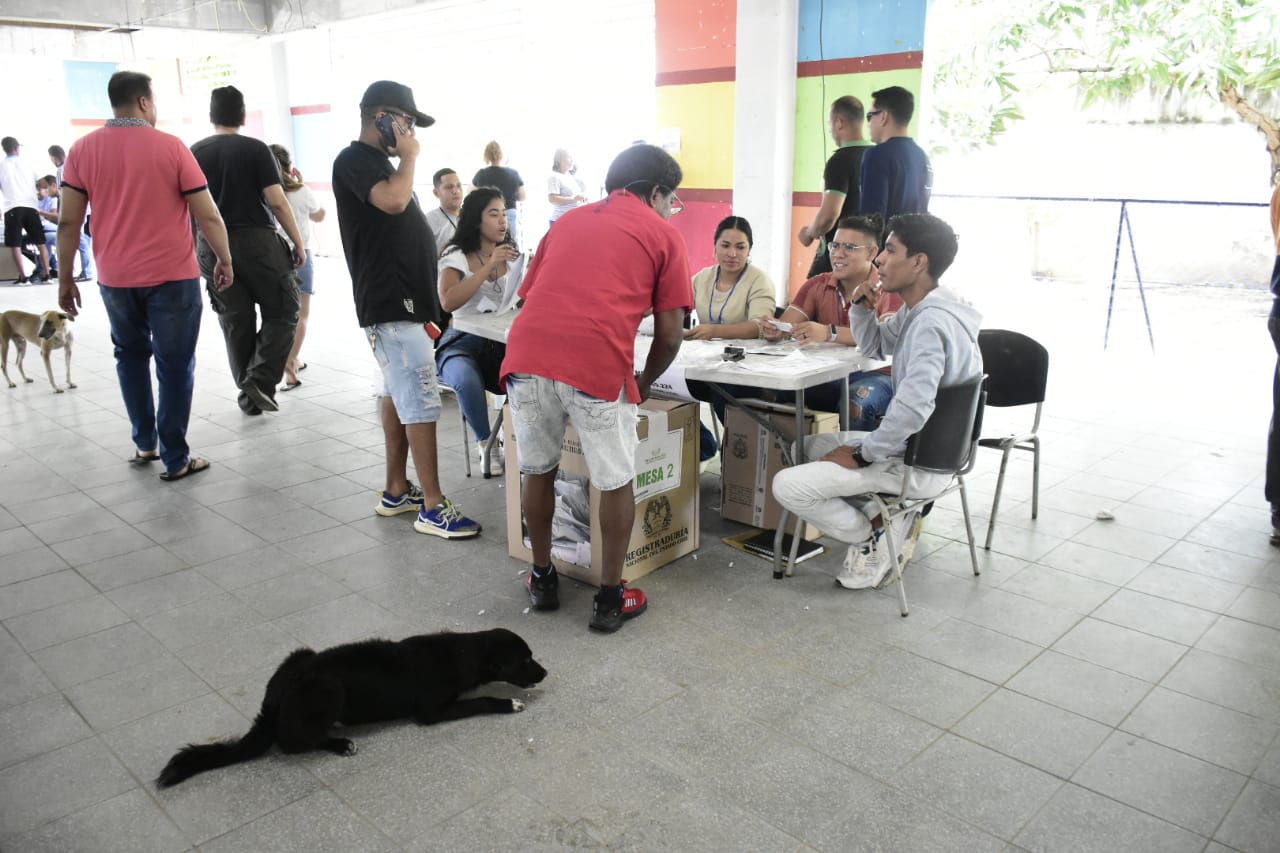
(846,47)
(696,59)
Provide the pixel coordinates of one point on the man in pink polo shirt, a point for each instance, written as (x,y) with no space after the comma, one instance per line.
(145,186)
(571,356)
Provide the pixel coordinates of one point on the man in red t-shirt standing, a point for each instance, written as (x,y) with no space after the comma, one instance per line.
(571,357)
(145,186)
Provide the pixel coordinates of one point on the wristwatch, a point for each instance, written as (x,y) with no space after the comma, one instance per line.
(834,332)
(862,461)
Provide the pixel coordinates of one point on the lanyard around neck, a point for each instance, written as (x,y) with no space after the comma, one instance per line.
(712,298)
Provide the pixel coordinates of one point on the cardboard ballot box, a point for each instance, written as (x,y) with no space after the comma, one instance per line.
(751,457)
(666,488)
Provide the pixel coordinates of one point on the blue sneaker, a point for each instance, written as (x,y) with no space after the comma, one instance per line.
(410,501)
(446,521)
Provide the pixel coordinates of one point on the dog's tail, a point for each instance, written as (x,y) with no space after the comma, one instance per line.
(198,757)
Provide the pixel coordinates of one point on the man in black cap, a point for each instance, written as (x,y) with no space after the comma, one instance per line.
(391,255)
(244,179)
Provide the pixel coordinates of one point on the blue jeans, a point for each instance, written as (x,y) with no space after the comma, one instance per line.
(467,364)
(869,394)
(162,321)
(86,260)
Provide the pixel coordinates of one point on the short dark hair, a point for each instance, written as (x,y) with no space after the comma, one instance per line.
(226,106)
(9,144)
(898,102)
(643,164)
(438,178)
(849,108)
(871,224)
(56,151)
(924,233)
(50,180)
(125,87)
(467,236)
(736,223)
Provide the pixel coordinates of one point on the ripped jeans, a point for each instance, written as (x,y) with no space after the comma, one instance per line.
(869,397)
(408,361)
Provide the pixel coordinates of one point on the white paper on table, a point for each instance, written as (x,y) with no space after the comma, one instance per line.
(787,365)
(672,385)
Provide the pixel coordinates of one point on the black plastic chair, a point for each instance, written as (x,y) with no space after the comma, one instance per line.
(1018,370)
(948,442)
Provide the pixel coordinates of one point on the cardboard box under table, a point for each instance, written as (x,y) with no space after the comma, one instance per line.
(752,456)
(666,486)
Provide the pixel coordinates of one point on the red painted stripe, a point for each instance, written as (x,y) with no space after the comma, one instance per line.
(309,109)
(806,199)
(726,74)
(691,194)
(860,64)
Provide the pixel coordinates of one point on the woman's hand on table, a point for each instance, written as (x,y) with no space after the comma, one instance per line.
(771,332)
(703,332)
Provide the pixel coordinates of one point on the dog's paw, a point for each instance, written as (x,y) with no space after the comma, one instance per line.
(516,706)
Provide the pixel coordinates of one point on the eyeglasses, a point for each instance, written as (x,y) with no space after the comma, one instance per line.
(874,113)
(676,204)
(834,247)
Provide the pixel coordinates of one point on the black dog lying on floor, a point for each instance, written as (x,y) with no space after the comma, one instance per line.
(418,677)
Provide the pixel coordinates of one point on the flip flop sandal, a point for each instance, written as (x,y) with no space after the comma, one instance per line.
(194,466)
(289,386)
(138,459)
(302,366)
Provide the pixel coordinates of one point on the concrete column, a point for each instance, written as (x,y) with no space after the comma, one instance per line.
(764,129)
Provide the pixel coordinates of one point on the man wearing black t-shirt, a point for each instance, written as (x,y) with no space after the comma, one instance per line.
(839,180)
(391,256)
(245,182)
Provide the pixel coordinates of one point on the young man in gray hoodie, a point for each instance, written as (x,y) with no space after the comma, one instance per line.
(933,339)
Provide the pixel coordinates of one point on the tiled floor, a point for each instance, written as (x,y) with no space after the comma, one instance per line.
(1104,685)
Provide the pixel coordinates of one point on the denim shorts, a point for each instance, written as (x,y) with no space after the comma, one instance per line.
(606,429)
(306,276)
(408,362)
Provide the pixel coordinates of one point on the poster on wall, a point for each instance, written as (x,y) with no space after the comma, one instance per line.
(87,89)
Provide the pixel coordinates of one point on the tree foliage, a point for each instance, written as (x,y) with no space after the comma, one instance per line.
(1182,54)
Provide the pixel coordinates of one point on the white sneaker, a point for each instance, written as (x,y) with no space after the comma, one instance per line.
(496,458)
(861,566)
(905,531)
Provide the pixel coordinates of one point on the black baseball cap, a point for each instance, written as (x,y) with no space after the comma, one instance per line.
(388,93)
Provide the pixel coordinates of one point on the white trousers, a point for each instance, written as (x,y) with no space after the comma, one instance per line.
(816,491)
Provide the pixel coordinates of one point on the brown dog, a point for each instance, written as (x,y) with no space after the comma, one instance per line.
(48,330)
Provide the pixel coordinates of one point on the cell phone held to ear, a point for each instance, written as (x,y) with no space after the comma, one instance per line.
(386,124)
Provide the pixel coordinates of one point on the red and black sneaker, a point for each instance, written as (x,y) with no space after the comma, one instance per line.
(608,617)
(544,592)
